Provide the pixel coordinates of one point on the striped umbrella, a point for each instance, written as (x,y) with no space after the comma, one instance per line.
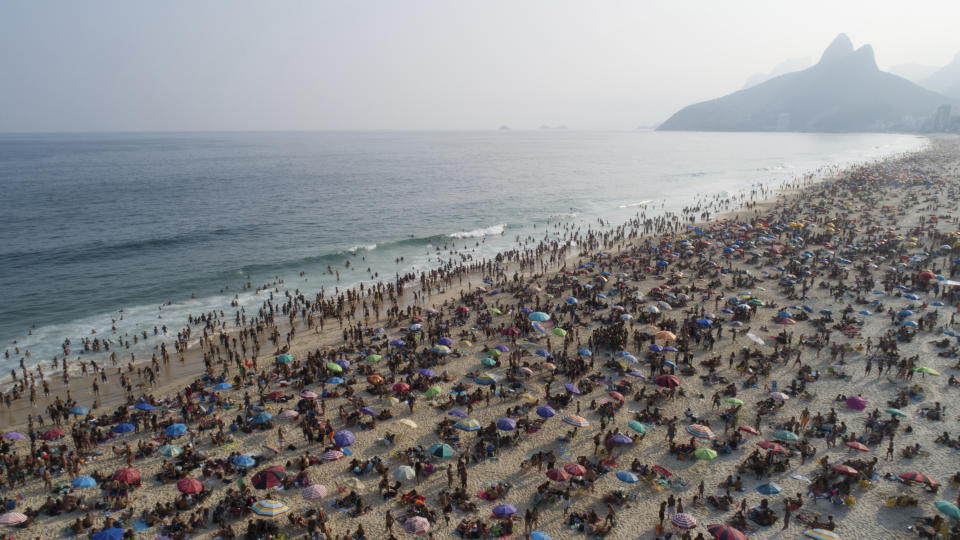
(416,525)
(860,447)
(189,485)
(332,455)
(558,475)
(575,469)
(845,469)
(726,532)
(314,492)
(785,435)
(779,396)
(821,534)
(700,431)
(170,450)
(441,450)
(683,521)
(12,518)
(919,478)
(270,507)
(575,420)
(268,478)
(777,449)
(546,411)
(667,381)
(468,424)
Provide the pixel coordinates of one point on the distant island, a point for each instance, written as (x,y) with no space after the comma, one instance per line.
(844,92)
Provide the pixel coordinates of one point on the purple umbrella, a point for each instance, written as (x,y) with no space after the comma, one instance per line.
(445,341)
(427,373)
(545,411)
(506,424)
(368,410)
(636,374)
(656,348)
(620,438)
(670,348)
(14,435)
(345,364)
(571,388)
(856,403)
(343,438)
(504,510)
(398,343)
(458,413)
(502,348)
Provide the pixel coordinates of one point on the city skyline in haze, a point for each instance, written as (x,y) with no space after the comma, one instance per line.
(419,65)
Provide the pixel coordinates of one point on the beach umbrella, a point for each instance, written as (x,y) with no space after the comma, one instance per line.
(667,381)
(860,447)
(546,411)
(284,359)
(394,343)
(445,341)
(14,435)
(856,403)
(16,518)
(270,508)
(575,420)
(700,431)
(821,534)
(543,353)
(375,379)
(373,358)
(683,521)
(83,482)
(928,371)
(223,386)
(457,413)
(506,424)
(343,438)
(620,438)
(539,316)
(637,426)
(416,525)
(770,488)
(896,412)
(558,475)
(404,472)
(269,478)
(537,535)
(785,435)
(170,451)
(655,348)
(144,406)
(123,428)
(845,469)
(441,450)
(468,424)
(549,365)
(571,388)
(665,335)
(617,396)
(627,477)
(489,362)
(774,447)
(432,391)
(575,469)
(175,430)
(725,532)
(189,485)
(244,461)
(261,418)
(368,411)
(733,401)
(919,478)
(948,509)
(308,394)
(486,379)
(79,411)
(754,338)
(706,454)
(332,455)
(113,533)
(334,367)
(440,349)
(127,474)
(748,429)
(584,352)
(503,510)
(335,380)
(314,492)
(559,332)
(401,387)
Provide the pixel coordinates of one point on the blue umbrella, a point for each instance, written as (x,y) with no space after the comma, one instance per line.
(504,510)
(343,437)
(911,296)
(704,322)
(113,533)
(398,343)
(670,348)
(261,418)
(572,301)
(144,406)
(910,324)
(335,380)
(79,411)
(543,353)
(584,352)
(506,424)
(427,373)
(537,535)
(123,428)
(770,488)
(457,413)
(826,312)
(83,482)
(656,348)
(546,411)
(807,308)
(937,303)
(905,313)
(539,316)
(175,430)
(445,341)
(571,388)
(244,461)
(628,477)
(865,313)
(223,386)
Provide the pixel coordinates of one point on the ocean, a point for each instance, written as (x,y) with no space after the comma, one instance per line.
(140,230)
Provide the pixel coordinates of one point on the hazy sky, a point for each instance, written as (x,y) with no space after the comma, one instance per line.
(91,65)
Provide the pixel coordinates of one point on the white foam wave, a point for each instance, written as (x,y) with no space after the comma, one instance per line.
(478,233)
(641,203)
(357,248)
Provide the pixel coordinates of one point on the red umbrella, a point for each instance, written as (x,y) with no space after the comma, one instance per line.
(845,469)
(558,475)
(920,478)
(667,381)
(748,429)
(618,396)
(128,475)
(276,394)
(726,532)
(767,445)
(683,521)
(52,434)
(269,478)
(189,485)
(401,387)
(575,469)
(860,447)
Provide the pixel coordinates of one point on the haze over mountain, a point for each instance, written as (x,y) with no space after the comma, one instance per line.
(845,91)
(913,72)
(946,80)
(787,66)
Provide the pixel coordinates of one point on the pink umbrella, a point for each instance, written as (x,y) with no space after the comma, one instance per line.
(12,518)
(289,413)
(308,394)
(314,492)
(416,525)
(856,403)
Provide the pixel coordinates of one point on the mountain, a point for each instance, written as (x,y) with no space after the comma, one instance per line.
(913,72)
(787,66)
(843,92)
(946,80)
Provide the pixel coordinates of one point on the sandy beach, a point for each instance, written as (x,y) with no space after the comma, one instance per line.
(608,374)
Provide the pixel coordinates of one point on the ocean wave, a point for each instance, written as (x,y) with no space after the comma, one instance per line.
(630,205)
(357,248)
(479,233)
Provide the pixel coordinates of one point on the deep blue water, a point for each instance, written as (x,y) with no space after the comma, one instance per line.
(95,223)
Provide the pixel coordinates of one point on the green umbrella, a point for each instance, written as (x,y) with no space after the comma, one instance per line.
(734,401)
(171,451)
(432,391)
(496,311)
(948,509)
(925,369)
(705,454)
(334,367)
(755,302)
(441,450)
(785,435)
(489,362)
(373,358)
(896,412)
(493,352)
(559,332)
(637,426)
